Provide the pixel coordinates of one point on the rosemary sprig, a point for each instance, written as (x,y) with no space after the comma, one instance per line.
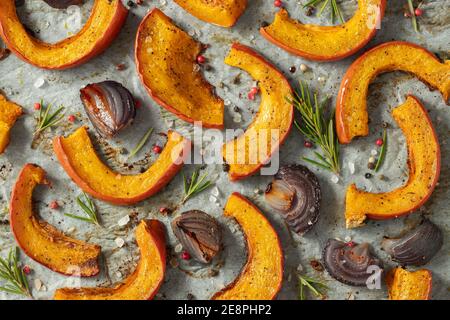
(413,16)
(47,119)
(382,152)
(194,185)
(316,128)
(141,143)
(12,273)
(335,11)
(88,208)
(315,286)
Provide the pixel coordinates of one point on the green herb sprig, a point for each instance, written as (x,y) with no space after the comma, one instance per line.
(194,185)
(48,119)
(13,274)
(335,10)
(88,208)
(317,128)
(413,16)
(316,287)
(382,152)
(141,143)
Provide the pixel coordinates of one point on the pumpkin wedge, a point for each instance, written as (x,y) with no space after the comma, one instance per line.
(247,153)
(223,13)
(262,275)
(166,63)
(424,162)
(351,109)
(326,43)
(79,159)
(9,113)
(145,281)
(41,241)
(406,285)
(105,22)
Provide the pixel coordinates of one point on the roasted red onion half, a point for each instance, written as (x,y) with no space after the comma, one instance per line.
(295,192)
(63,4)
(109,106)
(417,247)
(199,233)
(349,263)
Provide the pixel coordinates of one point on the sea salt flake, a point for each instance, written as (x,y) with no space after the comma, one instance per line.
(119,242)
(237,118)
(212,198)
(123,221)
(351,167)
(38,284)
(39,83)
(71,230)
(215,191)
(227,102)
(163,2)
(191,32)
(299,268)
(178,248)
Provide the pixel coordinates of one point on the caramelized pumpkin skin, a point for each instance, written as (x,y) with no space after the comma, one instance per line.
(9,113)
(405,285)
(41,241)
(144,282)
(326,43)
(79,159)
(262,275)
(223,13)
(247,153)
(105,22)
(166,63)
(424,162)
(351,109)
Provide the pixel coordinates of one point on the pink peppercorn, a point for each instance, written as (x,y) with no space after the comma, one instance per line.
(418,12)
(201,59)
(26,269)
(71,118)
(379,142)
(251,96)
(157,149)
(254,90)
(277,3)
(37,106)
(308,144)
(53,205)
(185,255)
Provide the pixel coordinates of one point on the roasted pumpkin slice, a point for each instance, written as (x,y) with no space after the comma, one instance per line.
(9,113)
(424,162)
(166,63)
(41,241)
(145,281)
(78,157)
(247,153)
(351,110)
(406,285)
(105,22)
(223,13)
(326,43)
(262,275)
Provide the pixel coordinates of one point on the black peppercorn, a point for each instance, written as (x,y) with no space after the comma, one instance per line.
(385,125)
(264,24)
(226,167)
(309,11)
(368,175)
(371,165)
(292,69)
(131,4)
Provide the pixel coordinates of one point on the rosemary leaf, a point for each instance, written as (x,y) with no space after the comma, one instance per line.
(195,185)
(12,273)
(88,208)
(315,286)
(317,128)
(382,152)
(413,16)
(47,119)
(335,10)
(141,143)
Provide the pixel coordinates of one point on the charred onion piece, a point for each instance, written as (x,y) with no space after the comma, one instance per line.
(109,105)
(417,247)
(295,192)
(63,4)
(349,262)
(199,233)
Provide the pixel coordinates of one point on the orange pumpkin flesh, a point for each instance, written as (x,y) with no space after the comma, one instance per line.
(262,275)
(326,43)
(166,63)
(9,113)
(145,281)
(247,153)
(41,241)
(223,13)
(351,110)
(424,159)
(79,159)
(105,22)
(405,285)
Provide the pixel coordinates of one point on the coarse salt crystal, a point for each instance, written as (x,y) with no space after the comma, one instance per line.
(123,221)
(71,229)
(119,274)
(39,83)
(227,102)
(191,32)
(178,248)
(303,67)
(237,118)
(348,239)
(119,242)
(215,191)
(38,284)
(372,159)
(335,179)
(351,167)
(163,2)
(299,268)
(374,152)
(212,198)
